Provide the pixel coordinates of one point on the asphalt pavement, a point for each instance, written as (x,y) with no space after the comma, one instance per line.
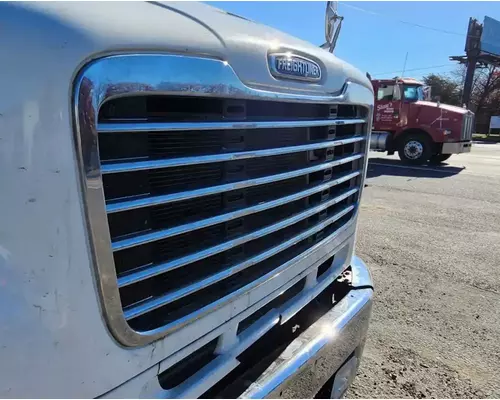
(431,236)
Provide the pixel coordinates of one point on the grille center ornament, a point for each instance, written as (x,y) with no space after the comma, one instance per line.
(291,66)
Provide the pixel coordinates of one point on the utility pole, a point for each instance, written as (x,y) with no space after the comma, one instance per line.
(472,51)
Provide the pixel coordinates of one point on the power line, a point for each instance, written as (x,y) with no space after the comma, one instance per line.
(416,69)
(404,22)
(404,66)
(412,23)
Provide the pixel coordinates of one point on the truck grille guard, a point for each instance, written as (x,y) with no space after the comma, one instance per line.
(199,194)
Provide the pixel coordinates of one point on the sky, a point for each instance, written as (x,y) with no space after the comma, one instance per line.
(373,38)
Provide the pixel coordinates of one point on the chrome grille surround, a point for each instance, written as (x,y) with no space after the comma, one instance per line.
(467,126)
(143,74)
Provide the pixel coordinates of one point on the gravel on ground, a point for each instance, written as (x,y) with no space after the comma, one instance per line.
(431,236)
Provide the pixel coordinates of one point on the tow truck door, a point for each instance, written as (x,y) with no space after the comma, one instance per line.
(387,106)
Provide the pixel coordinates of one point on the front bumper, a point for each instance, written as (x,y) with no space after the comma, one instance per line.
(457,147)
(320,351)
(299,371)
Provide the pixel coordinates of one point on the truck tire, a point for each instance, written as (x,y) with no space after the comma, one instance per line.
(414,149)
(439,158)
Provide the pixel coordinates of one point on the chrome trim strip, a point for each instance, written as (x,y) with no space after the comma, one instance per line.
(243,155)
(142,74)
(154,270)
(110,127)
(115,76)
(192,226)
(191,194)
(155,303)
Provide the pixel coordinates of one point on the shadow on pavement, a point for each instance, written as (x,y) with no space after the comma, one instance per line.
(383,166)
(486,141)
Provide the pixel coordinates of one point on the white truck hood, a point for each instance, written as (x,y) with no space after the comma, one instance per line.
(53,335)
(85,30)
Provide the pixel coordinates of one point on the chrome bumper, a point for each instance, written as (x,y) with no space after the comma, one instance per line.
(318,353)
(301,370)
(456,148)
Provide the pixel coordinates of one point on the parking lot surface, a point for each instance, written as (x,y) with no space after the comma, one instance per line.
(431,236)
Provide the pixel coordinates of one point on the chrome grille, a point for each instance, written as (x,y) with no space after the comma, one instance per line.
(467,126)
(200,191)
(204,195)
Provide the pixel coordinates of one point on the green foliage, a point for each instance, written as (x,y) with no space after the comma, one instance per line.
(445,87)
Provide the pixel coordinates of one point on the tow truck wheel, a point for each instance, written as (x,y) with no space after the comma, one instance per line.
(414,149)
(439,158)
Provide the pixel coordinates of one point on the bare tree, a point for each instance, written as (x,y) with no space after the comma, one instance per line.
(486,89)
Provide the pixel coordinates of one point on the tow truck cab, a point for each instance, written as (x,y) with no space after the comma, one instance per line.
(406,121)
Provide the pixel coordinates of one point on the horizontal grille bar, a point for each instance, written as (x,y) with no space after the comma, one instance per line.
(170,198)
(191,258)
(150,305)
(106,127)
(184,161)
(178,230)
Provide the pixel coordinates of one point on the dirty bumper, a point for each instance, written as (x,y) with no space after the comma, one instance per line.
(457,148)
(327,346)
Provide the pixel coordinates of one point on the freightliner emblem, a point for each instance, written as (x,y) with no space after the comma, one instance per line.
(290,66)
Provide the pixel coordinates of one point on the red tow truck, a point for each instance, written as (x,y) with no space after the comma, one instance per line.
(421,131)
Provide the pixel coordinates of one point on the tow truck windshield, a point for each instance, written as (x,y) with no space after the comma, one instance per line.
(414,93)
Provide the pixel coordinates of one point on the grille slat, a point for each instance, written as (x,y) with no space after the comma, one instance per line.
(149,237)
(206,197)
(177,162)
(170,198)
(153,304)
(169,266)
(200,126)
